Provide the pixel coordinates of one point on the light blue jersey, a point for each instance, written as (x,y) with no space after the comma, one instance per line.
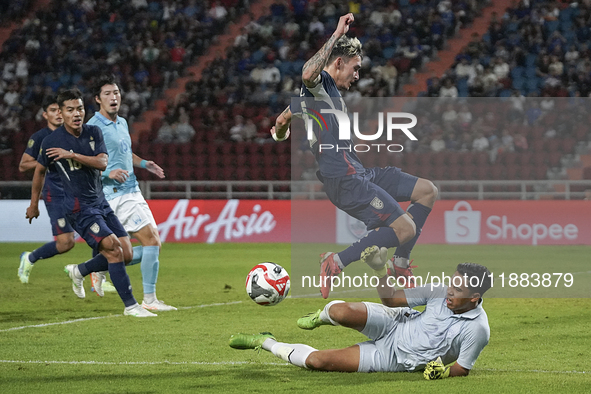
(118,142)
(439,332)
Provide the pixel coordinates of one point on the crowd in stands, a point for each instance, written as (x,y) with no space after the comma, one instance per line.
(537,48)
(13,10)
(147,44)
(261,71)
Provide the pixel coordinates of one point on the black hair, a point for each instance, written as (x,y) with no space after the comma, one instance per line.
(47,101)
(473,270)
(102,80)
(70,94)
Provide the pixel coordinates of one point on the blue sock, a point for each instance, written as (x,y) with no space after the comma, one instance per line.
(150,266)
(96,264)
(44,252)
(382,237)
(137,255)
(419,214)
(121,282)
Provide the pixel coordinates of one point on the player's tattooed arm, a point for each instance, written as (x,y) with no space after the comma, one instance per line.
(281,128)
(313,67)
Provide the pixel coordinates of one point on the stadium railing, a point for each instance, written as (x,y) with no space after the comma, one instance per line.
(312,190)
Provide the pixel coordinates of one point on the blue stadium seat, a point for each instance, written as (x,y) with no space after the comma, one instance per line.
(517,72)
(551,26)
(462,85)
(388,53)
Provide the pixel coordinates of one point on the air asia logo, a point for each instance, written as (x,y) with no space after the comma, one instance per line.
(345,129)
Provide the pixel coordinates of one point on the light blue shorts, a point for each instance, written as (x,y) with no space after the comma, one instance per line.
(377,355)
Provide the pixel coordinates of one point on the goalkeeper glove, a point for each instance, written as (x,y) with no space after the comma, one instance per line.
(436,370)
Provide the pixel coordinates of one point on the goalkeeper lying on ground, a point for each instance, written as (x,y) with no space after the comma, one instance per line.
(453,328)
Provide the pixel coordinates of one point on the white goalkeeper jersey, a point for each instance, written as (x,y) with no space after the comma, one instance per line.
(439,332)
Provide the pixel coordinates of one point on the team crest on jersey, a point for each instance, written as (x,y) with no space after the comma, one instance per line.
(377,203)
(95,228)
(91,145)
(30,143)
(61,222)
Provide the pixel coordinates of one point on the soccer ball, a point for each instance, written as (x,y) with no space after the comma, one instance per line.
(267,284)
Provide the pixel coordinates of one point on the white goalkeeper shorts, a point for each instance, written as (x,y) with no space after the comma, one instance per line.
(377,355)
(133,211)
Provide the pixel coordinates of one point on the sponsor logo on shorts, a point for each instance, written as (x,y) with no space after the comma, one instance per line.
(136,219)
(61,222)
(377,203)
(95,228)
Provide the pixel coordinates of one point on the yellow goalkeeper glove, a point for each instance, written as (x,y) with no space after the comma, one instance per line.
(436,370)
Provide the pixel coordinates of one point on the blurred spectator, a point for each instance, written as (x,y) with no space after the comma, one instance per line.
(237,131)
(501,68)
(520,142)
(183,131)
(448,89)
(165,133)
(480,143)
(437,143)
(507,142)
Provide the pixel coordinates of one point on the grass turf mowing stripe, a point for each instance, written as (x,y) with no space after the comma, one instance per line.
(104,317)
(238,363)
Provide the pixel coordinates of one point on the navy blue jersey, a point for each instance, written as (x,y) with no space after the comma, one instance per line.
(53,185)
(341,160)
(82,184)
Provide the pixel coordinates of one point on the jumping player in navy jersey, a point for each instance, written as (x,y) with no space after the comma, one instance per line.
(53,194)
(79,154)
(368,194)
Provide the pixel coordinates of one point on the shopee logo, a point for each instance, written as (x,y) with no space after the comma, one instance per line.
(502,229)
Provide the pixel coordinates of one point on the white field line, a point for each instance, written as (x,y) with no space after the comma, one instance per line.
(237,363)
(105,317)
(136,362)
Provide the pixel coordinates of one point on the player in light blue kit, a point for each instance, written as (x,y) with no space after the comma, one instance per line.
(453,329)
(122,190)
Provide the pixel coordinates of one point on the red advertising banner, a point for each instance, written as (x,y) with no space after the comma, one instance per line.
(469,222)
(509,222)
(214,221)
(451,221)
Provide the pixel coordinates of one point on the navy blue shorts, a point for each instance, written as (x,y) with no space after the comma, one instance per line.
(96,223)
(373,197)
(57,216)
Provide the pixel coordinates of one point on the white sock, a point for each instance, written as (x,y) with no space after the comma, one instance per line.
(295,354)
(325,317)
(401,262)
(150,298)
(337,259)
(77,272)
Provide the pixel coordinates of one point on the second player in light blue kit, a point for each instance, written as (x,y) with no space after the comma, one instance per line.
(122,190)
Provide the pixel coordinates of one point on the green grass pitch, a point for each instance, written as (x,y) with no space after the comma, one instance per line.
(537,344)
